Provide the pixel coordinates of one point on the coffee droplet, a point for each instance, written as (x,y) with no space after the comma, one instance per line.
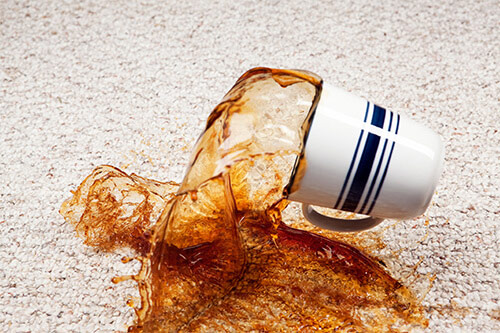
(126,259)
(215,252)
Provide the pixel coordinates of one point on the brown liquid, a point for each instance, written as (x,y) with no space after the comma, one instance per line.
(219,256)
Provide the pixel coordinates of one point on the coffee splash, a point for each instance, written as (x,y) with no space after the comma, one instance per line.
(215,252)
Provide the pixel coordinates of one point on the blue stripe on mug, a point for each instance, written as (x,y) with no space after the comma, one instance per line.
(385,170)
(379,165)
(353,160)
(366,163)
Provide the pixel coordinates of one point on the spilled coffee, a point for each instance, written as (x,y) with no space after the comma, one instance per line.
(215,252)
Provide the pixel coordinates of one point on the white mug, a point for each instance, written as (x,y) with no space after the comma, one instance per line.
(362,158)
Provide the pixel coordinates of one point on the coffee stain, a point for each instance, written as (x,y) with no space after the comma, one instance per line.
(495,314)
(215,251)
(450,311)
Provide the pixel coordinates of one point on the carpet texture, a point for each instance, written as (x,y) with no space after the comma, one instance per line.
(84,83)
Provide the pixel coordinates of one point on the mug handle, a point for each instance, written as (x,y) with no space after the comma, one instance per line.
(335,224)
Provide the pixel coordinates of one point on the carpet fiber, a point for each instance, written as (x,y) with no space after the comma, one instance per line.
(84,83)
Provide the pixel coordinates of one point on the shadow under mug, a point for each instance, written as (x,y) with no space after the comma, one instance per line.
(362,158)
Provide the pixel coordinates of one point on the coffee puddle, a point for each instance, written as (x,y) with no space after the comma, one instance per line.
(215,252)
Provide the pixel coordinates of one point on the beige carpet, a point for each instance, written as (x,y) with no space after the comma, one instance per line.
(131,84)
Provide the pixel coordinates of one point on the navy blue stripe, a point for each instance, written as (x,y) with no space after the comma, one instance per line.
(378,116)
(365,164)
(353,159)
(385,171)
(372,185)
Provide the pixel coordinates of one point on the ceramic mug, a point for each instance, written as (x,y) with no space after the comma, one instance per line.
(362,158)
